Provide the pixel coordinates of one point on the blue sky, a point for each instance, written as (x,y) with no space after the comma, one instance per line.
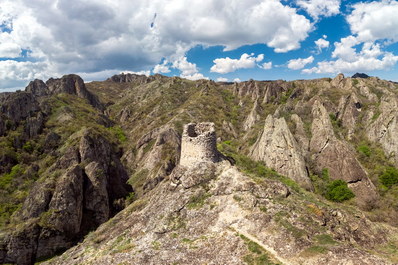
(224,40)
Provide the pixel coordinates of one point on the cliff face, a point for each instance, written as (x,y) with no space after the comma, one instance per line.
(104,157)
(279,150)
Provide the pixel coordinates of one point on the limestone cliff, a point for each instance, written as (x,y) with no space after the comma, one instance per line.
(279,150)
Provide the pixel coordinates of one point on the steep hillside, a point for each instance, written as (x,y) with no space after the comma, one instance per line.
(307,172)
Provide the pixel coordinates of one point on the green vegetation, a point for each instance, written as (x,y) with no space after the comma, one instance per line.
(149,146)
(254,168)
(336,123)
(258,255)
(6,179)
(314,250)
(364,149)
(338,191)
(138,180)
(119,133)
(197,201)
(325,239)
(355,82)
(389,177)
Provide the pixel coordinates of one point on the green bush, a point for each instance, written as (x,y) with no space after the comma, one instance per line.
(28,147)
(7,178)
(364,149)
(389,177)
(338,191)
(119,133)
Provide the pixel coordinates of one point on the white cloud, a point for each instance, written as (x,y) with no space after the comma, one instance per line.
(345,49)
(143,72)
(188,70)
(9,50)
(95,35)
(322,43)
(161,68)
(299,63)
(374,20)
(237,80)
(266,66)
(228,65)
(13,73)
(222,79)
(363,64)
(185,67)
(318,8)
(369,58)
(369,22)
(195,76)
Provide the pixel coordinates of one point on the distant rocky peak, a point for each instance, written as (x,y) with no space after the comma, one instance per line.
(360,75)
(69,84)
(129,78)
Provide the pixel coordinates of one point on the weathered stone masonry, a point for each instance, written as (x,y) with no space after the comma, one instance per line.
(198,144)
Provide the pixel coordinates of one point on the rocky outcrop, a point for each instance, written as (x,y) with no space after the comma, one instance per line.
(384,129)
(252,118)
(18,106)
(335,155)
(37,88)
(74,85)
(134,78)
(279,150)
(348,111)
(342,82)
(64,209)
(300,134)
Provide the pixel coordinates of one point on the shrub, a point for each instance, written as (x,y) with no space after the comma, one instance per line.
(28,147)
(119,133)
(338,191)
(389,177)
(364,149)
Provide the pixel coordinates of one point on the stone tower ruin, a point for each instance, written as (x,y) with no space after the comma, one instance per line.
(198,144)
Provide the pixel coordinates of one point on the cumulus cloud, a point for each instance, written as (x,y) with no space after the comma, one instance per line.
(237,80)
(322,43)
(9,50)
(13,72)
(222,79)
(188,70)
(349,60)
(228,65)
(371,23)
(161,68)
(318,8)
(94,36)
(266,66)
(374,20)
(299,63)
(195,76)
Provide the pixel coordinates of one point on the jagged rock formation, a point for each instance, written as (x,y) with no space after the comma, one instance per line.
(253,117)
(61,210)
(384,128)
(338,157)
(279,150)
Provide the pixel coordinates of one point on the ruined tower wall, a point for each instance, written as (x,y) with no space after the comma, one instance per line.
(198,144)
